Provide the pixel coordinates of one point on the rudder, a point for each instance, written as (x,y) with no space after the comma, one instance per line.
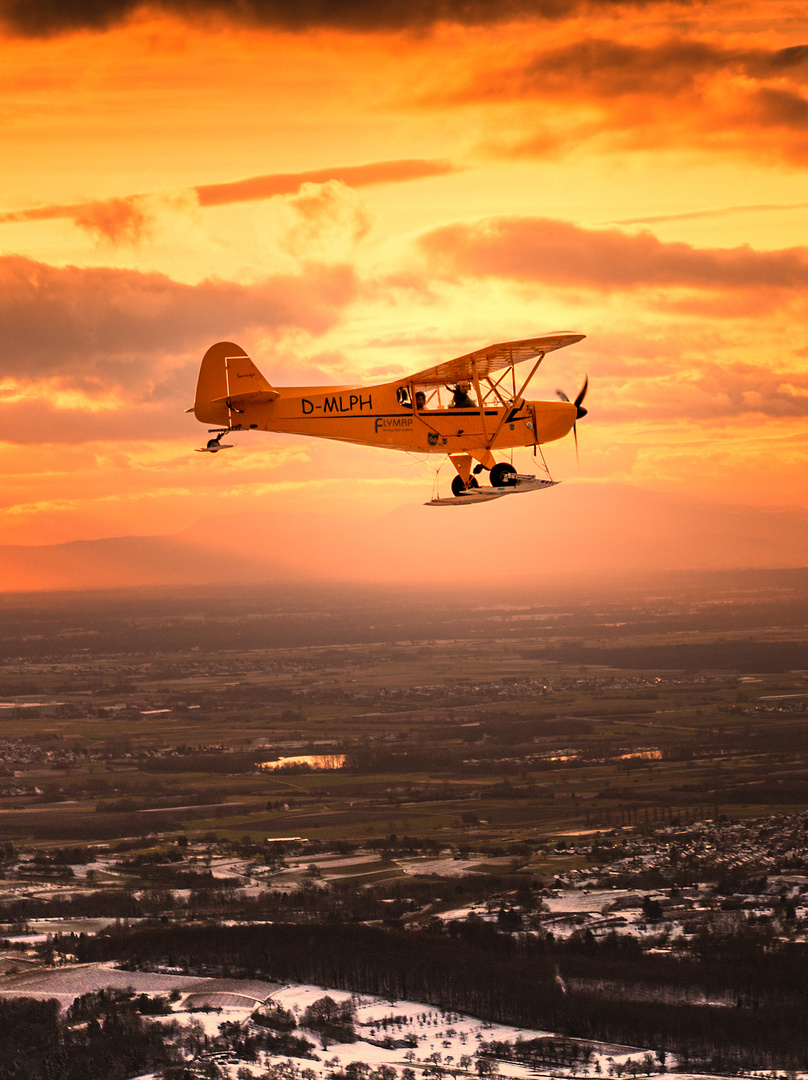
(228,380)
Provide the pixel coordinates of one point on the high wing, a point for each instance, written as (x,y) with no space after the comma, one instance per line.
(492,358)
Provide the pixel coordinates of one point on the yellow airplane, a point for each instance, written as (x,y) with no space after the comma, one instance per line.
(431,412)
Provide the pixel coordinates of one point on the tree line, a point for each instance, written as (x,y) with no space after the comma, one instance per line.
(611,990)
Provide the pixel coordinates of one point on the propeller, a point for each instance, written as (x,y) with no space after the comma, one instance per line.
(580,411)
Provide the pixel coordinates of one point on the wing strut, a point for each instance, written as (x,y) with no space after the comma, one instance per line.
(517,401)
(475,376)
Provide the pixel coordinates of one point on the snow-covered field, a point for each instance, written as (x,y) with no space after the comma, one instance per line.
(441,867)
(67,983)
(594,901)
(441,1043)
(448,1040)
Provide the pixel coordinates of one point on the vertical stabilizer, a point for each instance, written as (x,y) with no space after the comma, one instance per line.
(228,381)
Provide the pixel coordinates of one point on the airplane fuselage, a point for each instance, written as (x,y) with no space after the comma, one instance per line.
(374,416)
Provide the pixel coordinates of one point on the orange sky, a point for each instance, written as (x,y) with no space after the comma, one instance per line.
(350,194)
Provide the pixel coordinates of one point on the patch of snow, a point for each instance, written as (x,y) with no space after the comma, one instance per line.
(440,867)
(575,900)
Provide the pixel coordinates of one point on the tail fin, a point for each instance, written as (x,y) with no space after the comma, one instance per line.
(228,382)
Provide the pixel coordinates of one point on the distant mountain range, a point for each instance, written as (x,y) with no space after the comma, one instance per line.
(569,529)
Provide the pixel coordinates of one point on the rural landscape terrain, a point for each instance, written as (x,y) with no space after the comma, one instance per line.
(367,834)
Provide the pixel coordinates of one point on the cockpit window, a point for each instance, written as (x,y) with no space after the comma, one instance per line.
(431,397)
(427,397)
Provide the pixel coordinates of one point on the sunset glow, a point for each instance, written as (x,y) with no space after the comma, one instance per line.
(356,191)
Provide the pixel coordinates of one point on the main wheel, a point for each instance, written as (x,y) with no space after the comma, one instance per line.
(502,474)
(458,487)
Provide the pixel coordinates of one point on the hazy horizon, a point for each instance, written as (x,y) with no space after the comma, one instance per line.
(525,541)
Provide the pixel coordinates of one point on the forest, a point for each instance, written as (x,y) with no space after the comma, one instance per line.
(579,987)
(113,1042)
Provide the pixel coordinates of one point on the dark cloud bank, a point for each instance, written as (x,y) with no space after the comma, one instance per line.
(85,324)
(49,18)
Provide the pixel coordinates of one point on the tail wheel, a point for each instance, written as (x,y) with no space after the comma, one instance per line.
(458,487)
(502,474)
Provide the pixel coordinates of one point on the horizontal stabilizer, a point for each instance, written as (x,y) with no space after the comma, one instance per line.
(255,397)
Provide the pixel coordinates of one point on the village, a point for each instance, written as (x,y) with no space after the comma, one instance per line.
(707,873)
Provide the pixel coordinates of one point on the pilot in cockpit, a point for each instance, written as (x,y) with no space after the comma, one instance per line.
(461,398)
(403,396)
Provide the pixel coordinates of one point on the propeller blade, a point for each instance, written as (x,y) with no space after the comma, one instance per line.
(579,409)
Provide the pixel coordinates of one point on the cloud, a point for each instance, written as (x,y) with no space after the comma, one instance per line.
(607,260)
(603,69)
(355,176)
(774,107)
(29,417)
(43,18)
(103,327)
(623,95)
(611,69)
(131,218)
(323,223)
(649,372)
(707,392)
(711,212)
(115,220)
